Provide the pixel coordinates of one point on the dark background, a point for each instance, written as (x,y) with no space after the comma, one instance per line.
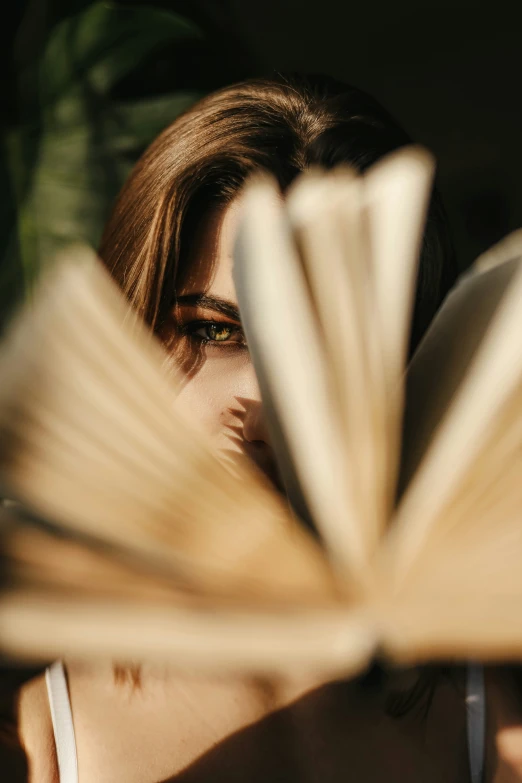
(449,71)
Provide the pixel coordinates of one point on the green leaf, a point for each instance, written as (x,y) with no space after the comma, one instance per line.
(84,142)
(98,46)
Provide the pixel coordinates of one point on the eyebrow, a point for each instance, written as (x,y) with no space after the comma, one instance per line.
(223,306)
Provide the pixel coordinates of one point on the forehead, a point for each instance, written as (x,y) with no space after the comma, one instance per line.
(211,257)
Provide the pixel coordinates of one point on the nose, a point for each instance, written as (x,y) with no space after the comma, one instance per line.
(254,424)
(254,431)
(256,443)
(254,427)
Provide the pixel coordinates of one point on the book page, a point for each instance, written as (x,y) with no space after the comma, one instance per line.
(397,192)
(325,284)
(327,218)
(329,643)
(442,360)
(453,587)
(462,596)
(284,341)
(91,440)
(479,436)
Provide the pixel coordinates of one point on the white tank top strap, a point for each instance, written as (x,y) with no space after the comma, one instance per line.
(476,721)
(63,726)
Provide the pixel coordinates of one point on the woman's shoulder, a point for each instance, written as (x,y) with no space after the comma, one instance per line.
(35,731)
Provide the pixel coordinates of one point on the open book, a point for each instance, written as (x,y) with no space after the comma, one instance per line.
(403,534)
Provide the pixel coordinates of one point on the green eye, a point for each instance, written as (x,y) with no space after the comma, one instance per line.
(213,332)
(218,333)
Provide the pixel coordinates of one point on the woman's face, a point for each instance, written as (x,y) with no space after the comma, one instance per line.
(205,337)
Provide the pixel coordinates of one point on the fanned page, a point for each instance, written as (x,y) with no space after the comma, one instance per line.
(396,197)
(450,345)
(455,556)
(326,215)
(335,268)
(91,436)
(283,338)
(360,238)
(136,541)
(92,442)
(68,600)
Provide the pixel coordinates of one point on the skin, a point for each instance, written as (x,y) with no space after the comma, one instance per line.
(219,386)
(180,726)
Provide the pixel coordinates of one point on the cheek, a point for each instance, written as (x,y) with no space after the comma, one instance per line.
(213,396)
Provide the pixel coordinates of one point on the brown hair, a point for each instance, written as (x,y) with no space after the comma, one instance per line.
(282,125)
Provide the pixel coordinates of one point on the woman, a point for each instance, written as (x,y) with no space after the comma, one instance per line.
(169,246)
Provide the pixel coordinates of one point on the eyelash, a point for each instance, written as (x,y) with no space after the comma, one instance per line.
(189,330)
